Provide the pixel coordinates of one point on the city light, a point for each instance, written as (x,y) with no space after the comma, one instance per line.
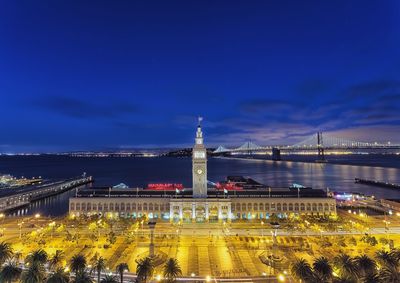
(281,278)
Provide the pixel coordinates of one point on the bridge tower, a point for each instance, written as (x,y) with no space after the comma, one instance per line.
(320,145)
(276,154)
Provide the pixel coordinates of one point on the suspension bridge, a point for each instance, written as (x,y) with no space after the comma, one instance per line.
(317,142)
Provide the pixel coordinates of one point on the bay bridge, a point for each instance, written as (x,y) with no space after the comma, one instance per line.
(315,143)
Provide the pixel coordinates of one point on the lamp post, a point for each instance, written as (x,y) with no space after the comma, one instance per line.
(20,228)
(37,216)
(152,225)
(262,229)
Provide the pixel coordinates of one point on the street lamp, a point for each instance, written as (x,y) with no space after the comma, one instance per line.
(152,225)
(262,228)
(20,228)
(281,278)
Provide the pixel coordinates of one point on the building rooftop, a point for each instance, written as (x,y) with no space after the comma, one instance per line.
(212,193)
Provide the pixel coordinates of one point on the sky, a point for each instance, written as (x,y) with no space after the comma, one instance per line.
(93,75)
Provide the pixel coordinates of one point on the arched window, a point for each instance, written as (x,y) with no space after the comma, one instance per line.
(279,207)
(255,206)
(145,206)
(243,207)
(122,206)
(296,207)
(72,206)
(83,206)
(320,207)
(314,207)
(249,206)
(308,207)
(106,207)
(238,206)
(156,207)
(128,207)
(284,206)
(139,206)
(267,206)
(326,207)
(290,206)
(151,207)
(302,207)
(261,206)
(111,206)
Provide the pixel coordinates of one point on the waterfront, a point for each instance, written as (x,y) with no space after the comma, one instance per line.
(141,171)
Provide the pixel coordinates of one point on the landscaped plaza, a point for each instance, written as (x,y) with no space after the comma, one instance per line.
(205,251)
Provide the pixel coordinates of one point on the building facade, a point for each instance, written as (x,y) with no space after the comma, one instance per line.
(199,203)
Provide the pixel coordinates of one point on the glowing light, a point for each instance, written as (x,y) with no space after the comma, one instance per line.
(208,278)
(281,278)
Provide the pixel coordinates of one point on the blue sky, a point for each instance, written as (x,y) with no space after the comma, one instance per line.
(78,75)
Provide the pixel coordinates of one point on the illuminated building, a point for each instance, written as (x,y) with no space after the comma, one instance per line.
(200,203)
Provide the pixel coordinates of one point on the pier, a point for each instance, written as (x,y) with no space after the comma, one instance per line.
(378,183)
(14,198)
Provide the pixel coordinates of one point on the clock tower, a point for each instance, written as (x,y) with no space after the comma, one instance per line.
(199,165)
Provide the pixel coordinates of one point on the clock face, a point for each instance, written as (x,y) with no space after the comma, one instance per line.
(199,154)
(199,171)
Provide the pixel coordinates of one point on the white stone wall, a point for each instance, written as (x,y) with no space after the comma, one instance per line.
(236,208)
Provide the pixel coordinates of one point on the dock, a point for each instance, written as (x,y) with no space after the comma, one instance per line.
(14,198)
(377,183)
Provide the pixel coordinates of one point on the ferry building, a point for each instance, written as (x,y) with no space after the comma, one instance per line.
(233,201)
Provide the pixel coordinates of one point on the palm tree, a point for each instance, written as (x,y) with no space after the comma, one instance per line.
(99,264)
(387,258)
(10,272)
(58,276)
(17,256)
(301,270)
(5,252)
(34,274)
(365,265)
(121,268)
(109,279)
(389,274)
(144,269)
(372,278)
(77,264)
(322,269)
(346,266)
(56,259)
(37,257)
(83,277)
(172,270)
